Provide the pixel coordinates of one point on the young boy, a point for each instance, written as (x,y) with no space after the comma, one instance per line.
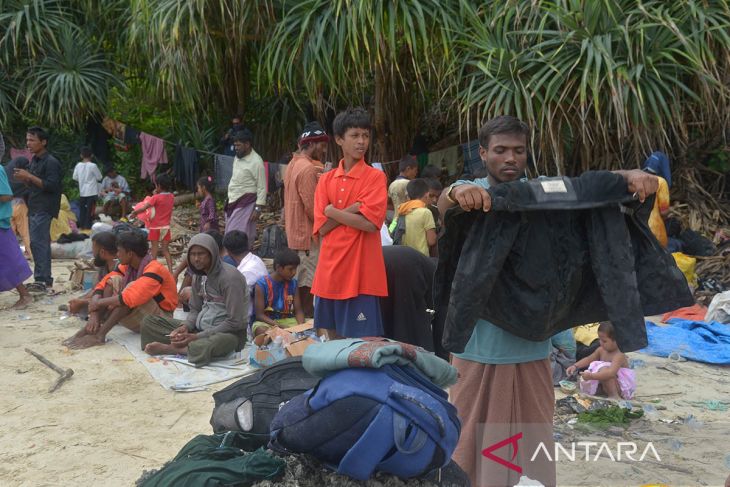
(159,223)
(414,225)
(104,250)
(408,167)
(87,174)
(114,188)
(608,368)
(349,208)
(249,264)
(276,300)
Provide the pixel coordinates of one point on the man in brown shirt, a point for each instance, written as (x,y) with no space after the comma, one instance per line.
(300,181)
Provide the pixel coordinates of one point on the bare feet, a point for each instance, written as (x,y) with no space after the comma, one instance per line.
(79,334)
(23,302)
(157,348)
(76,305)
(87,341)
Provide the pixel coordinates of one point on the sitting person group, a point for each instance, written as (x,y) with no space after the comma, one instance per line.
(141,294)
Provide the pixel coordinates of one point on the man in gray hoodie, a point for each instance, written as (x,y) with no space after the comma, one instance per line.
(216,324)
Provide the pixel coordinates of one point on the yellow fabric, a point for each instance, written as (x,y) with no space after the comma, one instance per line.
(60,225)
(409,206)
(283,323)
(585,334)
(418,222)
(661,203)
(687,265)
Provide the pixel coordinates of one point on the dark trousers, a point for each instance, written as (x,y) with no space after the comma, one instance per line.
(86,205)
(40,245)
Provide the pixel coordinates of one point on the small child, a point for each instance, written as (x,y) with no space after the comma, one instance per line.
(159,223)
(608,368)
(87,174)
(208,216)
(276,300)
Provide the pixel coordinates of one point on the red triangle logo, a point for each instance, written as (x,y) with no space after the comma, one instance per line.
(512,440)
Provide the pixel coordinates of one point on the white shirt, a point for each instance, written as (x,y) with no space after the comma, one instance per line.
(88,177)
(107,182)
(253,269)
(249,176)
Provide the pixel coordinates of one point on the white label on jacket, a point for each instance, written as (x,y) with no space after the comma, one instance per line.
(555,186)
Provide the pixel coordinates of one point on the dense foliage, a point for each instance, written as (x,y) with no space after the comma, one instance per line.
(601,82)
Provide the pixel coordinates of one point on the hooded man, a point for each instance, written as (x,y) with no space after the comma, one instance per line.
(216,324)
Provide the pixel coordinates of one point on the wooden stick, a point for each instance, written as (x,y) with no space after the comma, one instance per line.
(65,374)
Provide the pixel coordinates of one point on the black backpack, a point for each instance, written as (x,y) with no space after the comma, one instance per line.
(250,403)
(399,231)
(273,238)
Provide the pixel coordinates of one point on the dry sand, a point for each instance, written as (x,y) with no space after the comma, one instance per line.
(111,421)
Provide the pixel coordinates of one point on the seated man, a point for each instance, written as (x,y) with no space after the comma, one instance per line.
(276,299)
(114,189)
(184,295)
(138,287)
(216,324)
(104,249)
(249,264)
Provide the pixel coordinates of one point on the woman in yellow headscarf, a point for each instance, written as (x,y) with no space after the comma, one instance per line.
(62,223)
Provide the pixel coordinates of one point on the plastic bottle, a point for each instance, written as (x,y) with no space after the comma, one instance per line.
(693,423)
(650,412)
(277,343)
(675,444)
(637,363)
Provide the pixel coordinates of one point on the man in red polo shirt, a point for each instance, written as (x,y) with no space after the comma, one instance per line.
(300,183)
(349,209)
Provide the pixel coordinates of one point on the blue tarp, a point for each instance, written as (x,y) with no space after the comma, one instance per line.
(693,340)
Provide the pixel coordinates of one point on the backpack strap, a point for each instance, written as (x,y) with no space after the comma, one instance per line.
(360,461)
(270,293)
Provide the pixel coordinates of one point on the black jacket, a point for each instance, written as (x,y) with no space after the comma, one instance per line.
(46,199)
(410,295)
(553,254)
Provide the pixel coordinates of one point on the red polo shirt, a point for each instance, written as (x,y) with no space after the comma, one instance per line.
(350,260)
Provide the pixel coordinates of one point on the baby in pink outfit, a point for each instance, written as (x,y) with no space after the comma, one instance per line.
(608,368)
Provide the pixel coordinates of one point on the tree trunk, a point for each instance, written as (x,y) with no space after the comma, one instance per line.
(380,116)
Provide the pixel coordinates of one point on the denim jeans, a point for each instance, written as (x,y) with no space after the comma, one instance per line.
(40,245)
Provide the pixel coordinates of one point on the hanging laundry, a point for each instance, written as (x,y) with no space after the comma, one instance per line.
(472,159)
(113,128)
(131,135)
(97,138)
(223,171)
(185,166)
(153,154)
(448,158)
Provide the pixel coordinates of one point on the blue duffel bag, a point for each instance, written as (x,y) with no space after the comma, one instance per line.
(361,421)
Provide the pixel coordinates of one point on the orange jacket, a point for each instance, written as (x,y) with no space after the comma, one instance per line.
(155,282)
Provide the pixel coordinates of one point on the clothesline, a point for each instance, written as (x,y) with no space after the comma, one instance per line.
(469,153)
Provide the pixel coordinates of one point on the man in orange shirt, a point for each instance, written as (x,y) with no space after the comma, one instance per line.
(349,208)
(138,287)
(300,183)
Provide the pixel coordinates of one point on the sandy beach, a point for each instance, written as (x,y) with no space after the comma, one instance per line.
(111,420)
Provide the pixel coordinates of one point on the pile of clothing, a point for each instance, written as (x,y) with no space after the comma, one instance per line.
(348,410)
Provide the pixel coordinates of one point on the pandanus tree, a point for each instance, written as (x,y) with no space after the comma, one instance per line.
(385,54)
(601,82)
(54,68)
